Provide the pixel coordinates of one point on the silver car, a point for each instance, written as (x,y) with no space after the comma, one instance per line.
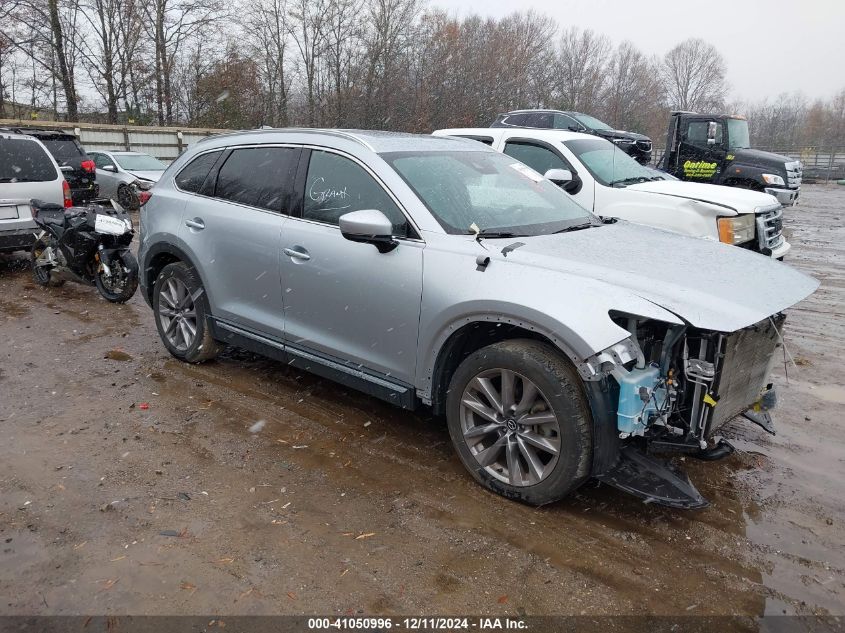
(436,272)
(123,175)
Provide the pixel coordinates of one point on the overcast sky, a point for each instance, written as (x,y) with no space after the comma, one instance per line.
(769,46)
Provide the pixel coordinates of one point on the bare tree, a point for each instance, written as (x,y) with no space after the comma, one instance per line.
(694,76)
(579,76)
(307,26)
(342,36)
(49,28)
(170,24)
(632,94)
(266,24)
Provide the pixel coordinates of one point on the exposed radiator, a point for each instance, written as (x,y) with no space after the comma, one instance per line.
(747,359)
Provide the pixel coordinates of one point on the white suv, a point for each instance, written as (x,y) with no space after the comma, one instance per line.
(606,181)
(27,171)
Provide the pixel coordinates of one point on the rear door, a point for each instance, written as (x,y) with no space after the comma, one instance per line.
(233,230)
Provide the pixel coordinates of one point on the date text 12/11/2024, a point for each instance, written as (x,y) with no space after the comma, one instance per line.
(418,624)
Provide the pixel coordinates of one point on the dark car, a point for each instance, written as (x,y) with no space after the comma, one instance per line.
(77,168)
(636,145)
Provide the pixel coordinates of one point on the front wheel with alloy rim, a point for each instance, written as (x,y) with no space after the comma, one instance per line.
(42,268)
(181,314)
(120,283)
(520,422)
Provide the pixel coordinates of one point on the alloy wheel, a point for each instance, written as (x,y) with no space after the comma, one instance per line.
(177,313)
(510,427)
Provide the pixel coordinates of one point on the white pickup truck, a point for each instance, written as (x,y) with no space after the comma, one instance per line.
(605,180)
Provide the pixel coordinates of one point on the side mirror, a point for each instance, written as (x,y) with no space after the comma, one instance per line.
(108,168)
(558,176)
(368,226)
(711,132)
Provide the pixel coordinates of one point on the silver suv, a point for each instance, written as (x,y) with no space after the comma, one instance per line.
(437,272)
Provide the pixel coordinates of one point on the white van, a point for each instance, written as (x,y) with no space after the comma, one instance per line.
(27,171)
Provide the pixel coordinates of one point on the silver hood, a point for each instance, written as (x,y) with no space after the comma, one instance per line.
(152,176)
(710,285)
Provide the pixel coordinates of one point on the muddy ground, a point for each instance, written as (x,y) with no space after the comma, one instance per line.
(131,483)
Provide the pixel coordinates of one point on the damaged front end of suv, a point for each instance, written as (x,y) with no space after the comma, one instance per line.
(674,387)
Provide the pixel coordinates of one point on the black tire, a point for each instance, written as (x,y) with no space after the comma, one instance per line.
(127,198)
(562,389)
(41,275)
(130,284)
(203,347)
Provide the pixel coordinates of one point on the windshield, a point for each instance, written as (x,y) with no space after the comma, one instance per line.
(592,122)
(471,192)
(139,162)
(23,160)
(738,134)
(610,165)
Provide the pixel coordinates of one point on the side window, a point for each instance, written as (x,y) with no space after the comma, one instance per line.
(697,133)
(336,185)
(100,160)
(540,159)
(564,122)
(257,176)
(541,119)
(193,175)
(516,120)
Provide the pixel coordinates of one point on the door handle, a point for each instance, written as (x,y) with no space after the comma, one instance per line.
(297,254)
(196,223)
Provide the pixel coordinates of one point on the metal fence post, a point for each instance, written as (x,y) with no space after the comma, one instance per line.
(830,164)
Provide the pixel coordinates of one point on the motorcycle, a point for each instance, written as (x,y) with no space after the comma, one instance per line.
(89,245)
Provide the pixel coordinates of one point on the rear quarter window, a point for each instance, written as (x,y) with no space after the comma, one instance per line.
(193,175)
(23,160)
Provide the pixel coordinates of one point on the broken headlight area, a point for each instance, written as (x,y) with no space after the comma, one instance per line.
(681,384)
(677,386)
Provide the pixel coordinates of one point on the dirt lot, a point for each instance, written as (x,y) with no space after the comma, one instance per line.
(342,505)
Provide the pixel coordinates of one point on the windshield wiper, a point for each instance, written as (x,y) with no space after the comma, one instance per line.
(577,227)
(628,181)
(494,234)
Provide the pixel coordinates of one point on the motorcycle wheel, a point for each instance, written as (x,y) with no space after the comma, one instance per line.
(42,275)
(119,288)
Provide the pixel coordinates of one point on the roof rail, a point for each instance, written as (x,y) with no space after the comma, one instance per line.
(298,130)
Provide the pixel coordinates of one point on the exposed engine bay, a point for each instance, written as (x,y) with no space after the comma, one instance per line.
(677,386)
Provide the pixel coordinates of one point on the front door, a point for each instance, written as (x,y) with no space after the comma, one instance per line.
(701,151)
(106,178)
(344,300)
(234,230)
(541,158)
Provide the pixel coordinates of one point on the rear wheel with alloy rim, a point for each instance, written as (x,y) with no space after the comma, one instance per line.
(519,419)
(182,315)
